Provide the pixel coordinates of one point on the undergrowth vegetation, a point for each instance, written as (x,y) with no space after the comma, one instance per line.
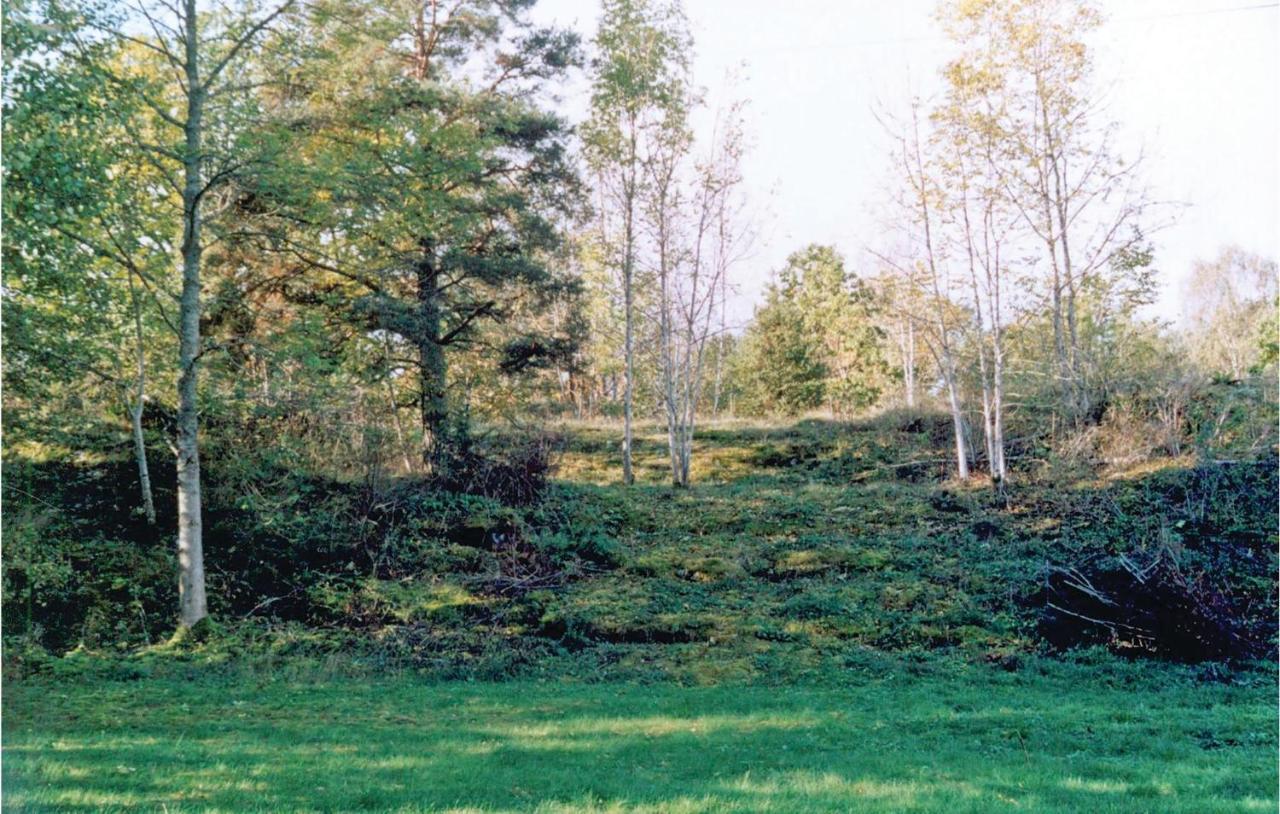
(803,550)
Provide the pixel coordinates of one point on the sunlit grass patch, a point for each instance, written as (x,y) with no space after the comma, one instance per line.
(972,741)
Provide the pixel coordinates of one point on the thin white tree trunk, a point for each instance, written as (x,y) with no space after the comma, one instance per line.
(999,471)
(721,342)
(906,343)
(666,351)
(406,458)
(192,605)
(628,261)
(988,429)
(957,416)
(135,409)
(946,358)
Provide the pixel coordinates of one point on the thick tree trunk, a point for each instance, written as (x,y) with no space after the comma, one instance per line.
(435,412)
(191,592)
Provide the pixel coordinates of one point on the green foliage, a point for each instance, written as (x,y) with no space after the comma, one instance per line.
(372,217)
(779,362)
(807,574)
(802,544)
(420,211)
(643,55)
(82,566)
(814,342)
(75,210)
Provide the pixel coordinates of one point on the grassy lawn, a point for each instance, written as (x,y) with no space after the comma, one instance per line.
(966,739)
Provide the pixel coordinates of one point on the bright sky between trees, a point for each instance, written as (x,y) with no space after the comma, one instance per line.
(1194,84)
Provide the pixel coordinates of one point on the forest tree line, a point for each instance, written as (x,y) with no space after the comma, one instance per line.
(347,239)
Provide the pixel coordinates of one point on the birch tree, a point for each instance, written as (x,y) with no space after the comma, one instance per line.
(925,266)
(1029,71)
(186,82)
(698,237)
(638,79)
(980,229)
(78,207)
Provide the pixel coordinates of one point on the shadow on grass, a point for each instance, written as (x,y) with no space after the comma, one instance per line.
(910,745)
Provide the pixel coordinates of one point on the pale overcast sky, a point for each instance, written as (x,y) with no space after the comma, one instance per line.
(1194,83)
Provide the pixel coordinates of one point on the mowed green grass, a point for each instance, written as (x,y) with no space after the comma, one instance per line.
(967,739)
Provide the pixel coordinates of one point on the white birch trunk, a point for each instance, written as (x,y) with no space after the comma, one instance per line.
(136,408)
(192,605)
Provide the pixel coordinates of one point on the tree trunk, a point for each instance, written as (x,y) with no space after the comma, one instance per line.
(135,410)
(628,350)
(907,345)
(670,399)
(946,360)
(432,366)
(957,422)
(988,427)
(1079,404)
(999,471)
(395,409)
(669,384)
(191,592)
(1047,169)
(721,342)
(667,351)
